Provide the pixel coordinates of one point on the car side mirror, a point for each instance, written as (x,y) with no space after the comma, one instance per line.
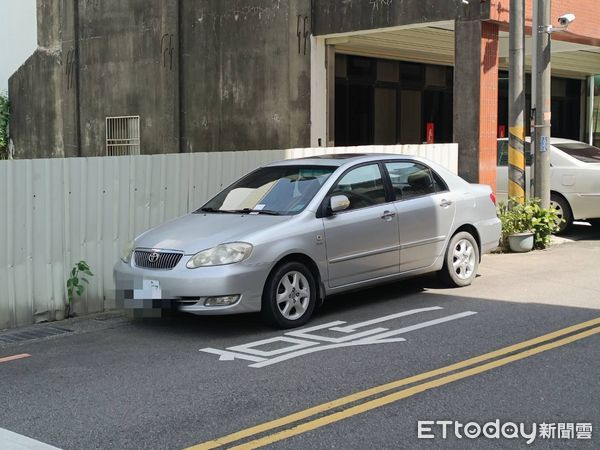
(339,203)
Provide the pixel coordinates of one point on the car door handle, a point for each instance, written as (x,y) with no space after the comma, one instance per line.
(445,203)
(387,215)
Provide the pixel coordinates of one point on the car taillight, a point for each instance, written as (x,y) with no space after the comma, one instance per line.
(493,198)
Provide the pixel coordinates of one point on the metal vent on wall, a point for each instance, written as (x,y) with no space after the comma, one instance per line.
(122,135)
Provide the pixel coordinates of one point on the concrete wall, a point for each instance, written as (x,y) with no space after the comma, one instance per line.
(128,66)
(203,75)
(35,91)
(36,122)
(334,16)
(246,84)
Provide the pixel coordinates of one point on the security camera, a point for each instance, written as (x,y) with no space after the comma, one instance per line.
(566,19)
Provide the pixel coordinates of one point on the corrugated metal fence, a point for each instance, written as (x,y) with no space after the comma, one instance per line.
(55,212)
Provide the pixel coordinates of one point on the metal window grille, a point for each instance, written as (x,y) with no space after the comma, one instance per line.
(123,135)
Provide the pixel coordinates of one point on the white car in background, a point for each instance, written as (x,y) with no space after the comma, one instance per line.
(574,179)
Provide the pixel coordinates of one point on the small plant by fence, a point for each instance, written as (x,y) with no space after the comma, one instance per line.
(4,116)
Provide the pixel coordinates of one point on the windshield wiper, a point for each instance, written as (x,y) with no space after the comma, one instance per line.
(218,211)
(240,211)
(258,211)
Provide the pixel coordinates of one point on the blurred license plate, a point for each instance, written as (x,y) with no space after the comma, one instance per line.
(150,290)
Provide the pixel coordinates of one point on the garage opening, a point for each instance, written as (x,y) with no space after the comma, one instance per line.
(566,106)
(382,101)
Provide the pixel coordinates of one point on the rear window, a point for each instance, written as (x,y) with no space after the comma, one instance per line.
(582,152)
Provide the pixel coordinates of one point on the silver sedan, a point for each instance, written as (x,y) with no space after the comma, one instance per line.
(282,238)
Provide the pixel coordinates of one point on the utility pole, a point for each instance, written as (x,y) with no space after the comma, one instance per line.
(534,40)
(543,114)
(516,103)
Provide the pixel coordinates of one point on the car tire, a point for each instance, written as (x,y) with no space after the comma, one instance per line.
(461,260)
(563,209)
(290,296)
(594,222)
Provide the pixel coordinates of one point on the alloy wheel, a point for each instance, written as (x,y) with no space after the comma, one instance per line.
(557,207)
(293,295)
(463,259)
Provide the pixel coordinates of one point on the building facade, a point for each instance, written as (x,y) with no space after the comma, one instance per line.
(154,76)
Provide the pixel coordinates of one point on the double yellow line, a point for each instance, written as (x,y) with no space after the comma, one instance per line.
(481,364)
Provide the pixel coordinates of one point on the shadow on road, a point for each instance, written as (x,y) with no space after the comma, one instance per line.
(404,294)
(582,231)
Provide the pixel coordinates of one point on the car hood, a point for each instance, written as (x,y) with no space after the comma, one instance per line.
(197,232)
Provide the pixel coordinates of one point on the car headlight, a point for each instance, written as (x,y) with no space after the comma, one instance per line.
(127,252)
(221,255)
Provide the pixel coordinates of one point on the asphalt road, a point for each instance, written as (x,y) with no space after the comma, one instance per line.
(185,380)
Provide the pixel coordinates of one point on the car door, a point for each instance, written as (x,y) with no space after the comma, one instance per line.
(362,241)
(425,209)
(502,170)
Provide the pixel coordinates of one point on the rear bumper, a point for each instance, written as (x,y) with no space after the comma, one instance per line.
(490,234)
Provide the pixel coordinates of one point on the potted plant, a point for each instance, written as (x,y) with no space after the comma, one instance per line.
(526,225)
(516,231)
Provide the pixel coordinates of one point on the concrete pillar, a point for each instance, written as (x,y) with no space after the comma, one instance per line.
(330,63)
(476,100)
(318,92)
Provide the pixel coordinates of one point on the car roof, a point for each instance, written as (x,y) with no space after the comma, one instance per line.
(564,141)
(553,140)
(339,159)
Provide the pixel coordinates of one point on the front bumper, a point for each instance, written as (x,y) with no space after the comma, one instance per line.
(186,289)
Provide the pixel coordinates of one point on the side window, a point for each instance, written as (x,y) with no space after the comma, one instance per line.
(502,153)
(411,180)
(440,184)
(528,156)
(363,186)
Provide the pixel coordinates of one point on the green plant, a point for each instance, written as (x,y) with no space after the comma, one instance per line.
(77,283)
(528,217)
(4,115)
(514,219)
(544,222)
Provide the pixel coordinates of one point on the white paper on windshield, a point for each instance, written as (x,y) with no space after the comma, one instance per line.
(258,208)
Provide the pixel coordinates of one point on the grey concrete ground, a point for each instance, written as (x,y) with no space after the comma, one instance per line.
(114,383)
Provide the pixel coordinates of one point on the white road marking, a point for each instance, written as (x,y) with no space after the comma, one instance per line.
(14,441)
(269,362)
(225,355)
(382,338)
(305,334)
(352,328)
(249,348)
(305,341)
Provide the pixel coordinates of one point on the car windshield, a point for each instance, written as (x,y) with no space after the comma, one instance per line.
(582,152)
(276,190)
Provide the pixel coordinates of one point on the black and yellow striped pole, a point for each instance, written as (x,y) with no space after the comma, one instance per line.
(516,99)
(516,163)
